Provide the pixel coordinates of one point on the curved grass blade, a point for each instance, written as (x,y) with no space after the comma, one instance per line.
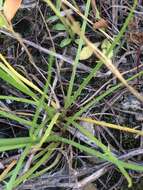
(15,118)
(19,165)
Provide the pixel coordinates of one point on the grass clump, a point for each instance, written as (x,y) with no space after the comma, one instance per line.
(51,109)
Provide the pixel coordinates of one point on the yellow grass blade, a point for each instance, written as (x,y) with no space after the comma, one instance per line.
(110,125)
(23,79)
(9,167)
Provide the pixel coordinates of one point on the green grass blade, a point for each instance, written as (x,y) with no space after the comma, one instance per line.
(93,152)
(86,81)
(18,99)
(49,129)
(41,172)
(4,148)
(15,118)
(19,165)
(18,85)
(41,100)
(107,152)
(70,88)
(16,143)
(123,29)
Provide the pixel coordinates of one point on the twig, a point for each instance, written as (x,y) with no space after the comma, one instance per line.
(49,52)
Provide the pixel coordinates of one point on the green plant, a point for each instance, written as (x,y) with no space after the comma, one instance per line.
(42,131)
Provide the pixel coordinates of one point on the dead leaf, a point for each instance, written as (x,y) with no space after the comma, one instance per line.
(10,8)
(102,23)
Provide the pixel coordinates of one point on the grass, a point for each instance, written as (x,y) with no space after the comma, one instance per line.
(48,124)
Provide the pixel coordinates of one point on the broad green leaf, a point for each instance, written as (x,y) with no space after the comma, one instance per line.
(77,41)
(59,27)
(65,42)
(105,46)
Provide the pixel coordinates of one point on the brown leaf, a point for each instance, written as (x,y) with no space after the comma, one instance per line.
(10,8)
(102,23)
